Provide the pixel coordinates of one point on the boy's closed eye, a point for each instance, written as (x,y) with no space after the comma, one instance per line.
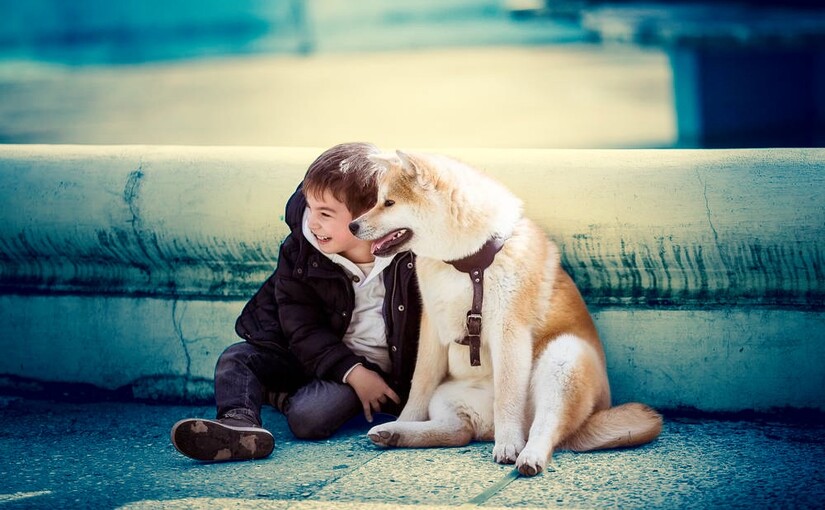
(322,211)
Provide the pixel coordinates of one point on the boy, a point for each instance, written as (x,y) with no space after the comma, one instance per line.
(332,333)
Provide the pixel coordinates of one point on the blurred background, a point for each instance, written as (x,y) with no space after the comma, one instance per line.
(413,73)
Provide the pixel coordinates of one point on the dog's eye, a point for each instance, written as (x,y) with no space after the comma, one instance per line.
(389,203)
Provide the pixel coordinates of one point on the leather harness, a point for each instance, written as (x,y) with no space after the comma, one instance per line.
(474,265)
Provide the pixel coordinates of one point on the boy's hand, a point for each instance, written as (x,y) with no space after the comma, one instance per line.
(371,389)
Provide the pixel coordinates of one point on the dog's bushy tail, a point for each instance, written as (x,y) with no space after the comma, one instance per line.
(622,426)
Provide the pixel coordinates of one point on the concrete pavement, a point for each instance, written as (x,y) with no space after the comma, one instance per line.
(118,455)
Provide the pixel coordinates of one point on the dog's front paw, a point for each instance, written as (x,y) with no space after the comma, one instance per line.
(509,443)
(506,453)
(382,435)
(531,462)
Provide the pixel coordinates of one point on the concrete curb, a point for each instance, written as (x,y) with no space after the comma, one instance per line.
(126,266)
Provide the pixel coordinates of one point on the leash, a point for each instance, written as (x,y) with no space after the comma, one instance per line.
(474,265)
(492,490)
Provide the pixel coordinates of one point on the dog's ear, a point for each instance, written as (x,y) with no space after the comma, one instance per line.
(385,160)
(407,164)
(416,170)
(402,160)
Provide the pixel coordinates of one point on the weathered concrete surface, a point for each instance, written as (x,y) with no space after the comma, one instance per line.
(125,267)
(155,349)
(143,220)
(111,455)
(741,227)
(723,360)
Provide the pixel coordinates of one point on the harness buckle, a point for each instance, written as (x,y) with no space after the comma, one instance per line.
(473,324)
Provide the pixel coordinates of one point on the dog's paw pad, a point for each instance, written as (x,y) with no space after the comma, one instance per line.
(529,467)
(531,463)
(383,438)
(528,470)
(375,438)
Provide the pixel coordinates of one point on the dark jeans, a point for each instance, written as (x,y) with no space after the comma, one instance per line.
(245,373)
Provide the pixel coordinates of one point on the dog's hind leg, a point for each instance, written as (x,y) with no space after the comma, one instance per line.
(566,388)
(422,434)
(460,411)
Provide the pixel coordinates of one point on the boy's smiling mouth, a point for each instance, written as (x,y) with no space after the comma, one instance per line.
(321,238)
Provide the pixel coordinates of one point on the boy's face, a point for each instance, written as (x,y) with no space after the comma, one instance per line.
(329,222)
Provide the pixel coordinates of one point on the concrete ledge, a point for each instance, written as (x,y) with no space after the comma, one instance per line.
(125,267)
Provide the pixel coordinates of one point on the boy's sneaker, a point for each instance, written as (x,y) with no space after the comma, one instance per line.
(221,440)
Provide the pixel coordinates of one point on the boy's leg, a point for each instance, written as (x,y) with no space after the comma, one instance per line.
(319,408)
(241,373)
(244,372)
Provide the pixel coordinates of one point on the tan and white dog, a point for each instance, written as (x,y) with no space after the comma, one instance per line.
(542,382)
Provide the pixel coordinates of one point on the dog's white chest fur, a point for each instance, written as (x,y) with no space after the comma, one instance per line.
(449,293)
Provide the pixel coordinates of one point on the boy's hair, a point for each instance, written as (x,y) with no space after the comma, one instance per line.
(347,173)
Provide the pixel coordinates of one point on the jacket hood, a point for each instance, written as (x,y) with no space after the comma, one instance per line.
(294,213)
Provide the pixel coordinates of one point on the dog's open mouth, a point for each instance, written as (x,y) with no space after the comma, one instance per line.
(391,243)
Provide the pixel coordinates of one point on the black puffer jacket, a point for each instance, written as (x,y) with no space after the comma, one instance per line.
(307,303)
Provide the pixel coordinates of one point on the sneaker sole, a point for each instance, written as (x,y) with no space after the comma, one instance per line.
(212,441)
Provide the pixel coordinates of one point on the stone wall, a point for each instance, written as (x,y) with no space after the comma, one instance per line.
(124,268)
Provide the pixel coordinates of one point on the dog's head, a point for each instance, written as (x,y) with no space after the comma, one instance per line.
(408,208)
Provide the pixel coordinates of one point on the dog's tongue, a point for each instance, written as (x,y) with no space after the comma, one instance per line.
(379,243)
(383,245)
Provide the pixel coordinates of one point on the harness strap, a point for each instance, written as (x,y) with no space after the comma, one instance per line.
(474,265)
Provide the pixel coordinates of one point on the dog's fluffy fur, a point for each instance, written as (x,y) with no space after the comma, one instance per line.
(542,384)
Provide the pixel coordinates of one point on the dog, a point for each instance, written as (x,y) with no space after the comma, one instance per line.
(540,383)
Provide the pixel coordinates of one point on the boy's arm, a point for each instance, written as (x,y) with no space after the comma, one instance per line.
(258,322)
(307,326)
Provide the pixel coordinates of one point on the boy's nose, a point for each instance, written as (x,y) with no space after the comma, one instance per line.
(353,227)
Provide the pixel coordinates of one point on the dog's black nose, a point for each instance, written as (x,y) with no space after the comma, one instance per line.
(353,227)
